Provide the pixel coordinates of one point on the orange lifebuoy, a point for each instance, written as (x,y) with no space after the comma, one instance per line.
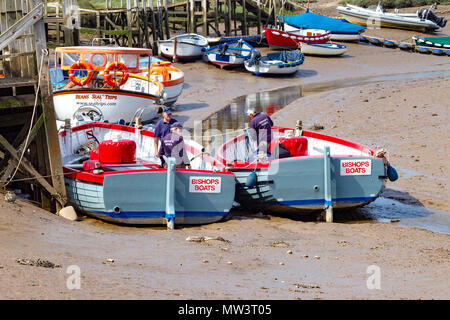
(105,60)
(114,65)
(80,65)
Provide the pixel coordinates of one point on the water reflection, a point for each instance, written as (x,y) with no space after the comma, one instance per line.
(229,121)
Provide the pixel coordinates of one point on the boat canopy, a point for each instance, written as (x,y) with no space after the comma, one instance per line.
(309,20)
(98,57)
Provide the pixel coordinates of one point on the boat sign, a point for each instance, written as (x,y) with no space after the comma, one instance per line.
(360,167)
(205,184)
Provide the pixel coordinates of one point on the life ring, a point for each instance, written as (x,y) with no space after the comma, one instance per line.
(105,60)
(114,65)
(80,65)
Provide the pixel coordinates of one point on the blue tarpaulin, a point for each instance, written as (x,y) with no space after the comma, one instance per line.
(309,20)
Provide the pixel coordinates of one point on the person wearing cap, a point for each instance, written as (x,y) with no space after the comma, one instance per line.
(163,127)
(172,145)
(260,129)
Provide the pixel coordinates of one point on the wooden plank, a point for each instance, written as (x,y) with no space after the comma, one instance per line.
(11,34)
(49,114)
(28,167)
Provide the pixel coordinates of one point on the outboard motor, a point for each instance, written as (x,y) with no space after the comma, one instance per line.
(427,14)
(255,56)
(223,49)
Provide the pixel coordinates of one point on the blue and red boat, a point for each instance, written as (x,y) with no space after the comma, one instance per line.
(111,173)
(314,172)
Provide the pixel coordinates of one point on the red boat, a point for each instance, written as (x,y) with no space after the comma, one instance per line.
(282,39)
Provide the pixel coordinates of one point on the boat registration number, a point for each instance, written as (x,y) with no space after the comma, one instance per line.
(358,167)
(205,184)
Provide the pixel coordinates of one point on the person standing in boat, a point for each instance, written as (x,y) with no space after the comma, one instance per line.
(172,145)
(163,127)
(260,128)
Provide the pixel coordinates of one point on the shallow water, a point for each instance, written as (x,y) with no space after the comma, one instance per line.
(232,118)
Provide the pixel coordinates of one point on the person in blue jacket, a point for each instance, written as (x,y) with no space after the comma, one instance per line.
(260,129)
(163,127)
(172,145)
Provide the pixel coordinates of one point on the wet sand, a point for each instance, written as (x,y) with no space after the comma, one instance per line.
(328,261)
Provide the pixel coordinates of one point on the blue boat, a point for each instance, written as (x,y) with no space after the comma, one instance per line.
(340,29)
(314,172)
(229,54)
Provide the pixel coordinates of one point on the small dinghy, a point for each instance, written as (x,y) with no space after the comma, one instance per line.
(422,20)
(306,172)
(284,62)
(281,39)
(229,54)
(185,47)
(436,42)
(110,173)
(323,49)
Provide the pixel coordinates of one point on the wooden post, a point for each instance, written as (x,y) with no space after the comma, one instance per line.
(282,12)
(244,20)
(258,2)
(160,26)
(191,16)
(205,21)
(216,17)
(49,114)
(166,18)
(154,32)
(70,21)
(275,13)
(97,20)
(228,19)
(234,16)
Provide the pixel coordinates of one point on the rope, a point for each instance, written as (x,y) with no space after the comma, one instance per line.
(44,53)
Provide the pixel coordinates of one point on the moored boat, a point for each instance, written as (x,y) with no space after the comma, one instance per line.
(316,172)
(274,63)
(111,173)
(171,77)
(281,39)
(341,29)
(423,20)
(104,84)
(323,49)
(229,54)
(185,46)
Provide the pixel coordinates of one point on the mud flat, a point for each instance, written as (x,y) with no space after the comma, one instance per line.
(270,257)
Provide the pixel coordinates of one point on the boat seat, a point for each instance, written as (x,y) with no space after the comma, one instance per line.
(160,71)
(115,152)
(289,147)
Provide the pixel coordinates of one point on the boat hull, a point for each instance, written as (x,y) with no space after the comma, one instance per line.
(139,198)
(374,19)
(281,39)
(113,105)
(325,49)
(185,51)
(271,69)
(297,185)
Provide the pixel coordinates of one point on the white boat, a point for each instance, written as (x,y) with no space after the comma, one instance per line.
(229,54)
(423,20)
(101,83)
(322,49)
(333,36)
(171,77)
(185,47)
(283,62)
